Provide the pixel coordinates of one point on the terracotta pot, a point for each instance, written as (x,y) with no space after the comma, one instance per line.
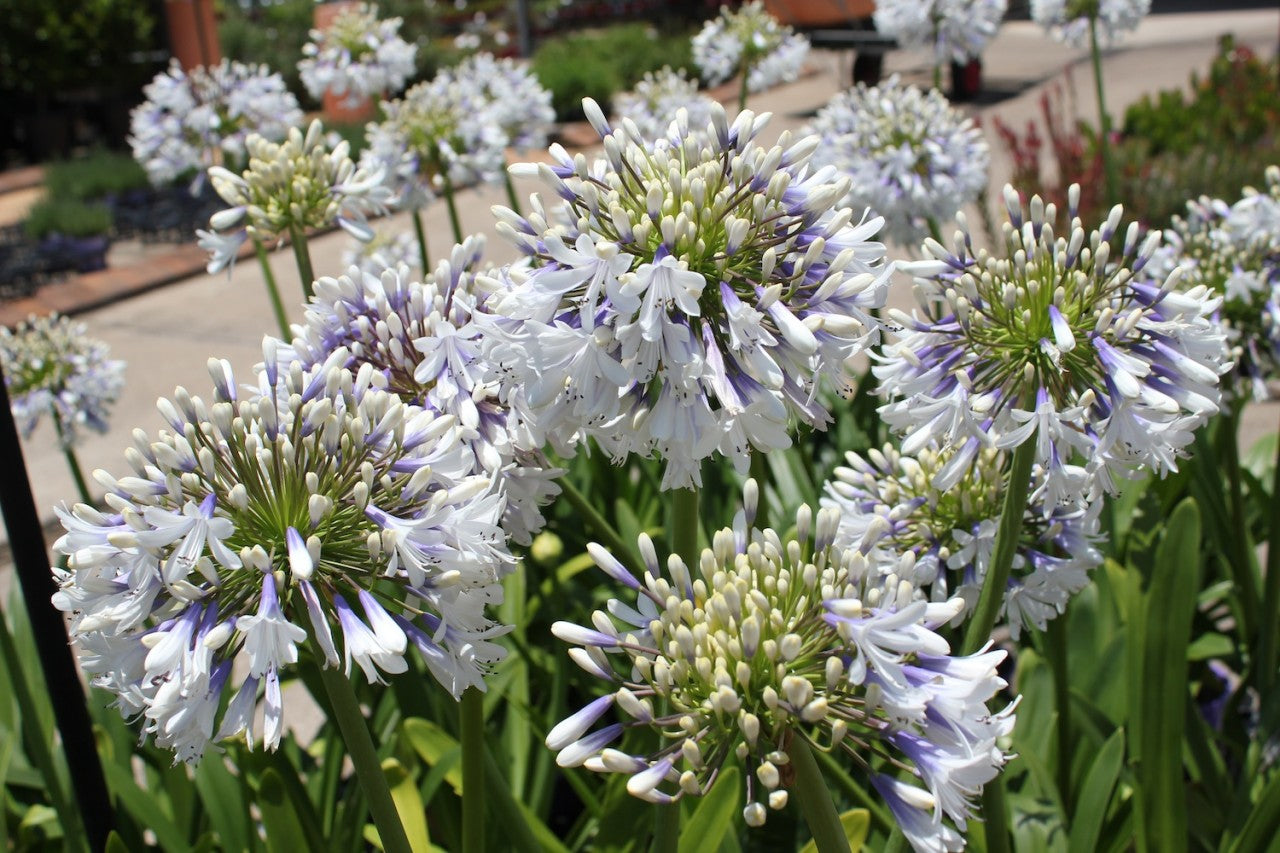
(819,13)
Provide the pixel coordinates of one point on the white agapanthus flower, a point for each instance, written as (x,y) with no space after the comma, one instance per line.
(749,41)
(767,641)
(53,368)
(444,129)
(954,30)
(298,183)
(1068,20)
(193,120)
(889,506)
(1058,341)
(386,251)
(319,511)
(517,102)
(358,56)
(420,335)
(910,156)
(700,292)
(653,104)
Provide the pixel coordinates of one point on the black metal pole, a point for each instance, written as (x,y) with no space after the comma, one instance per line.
(31,562)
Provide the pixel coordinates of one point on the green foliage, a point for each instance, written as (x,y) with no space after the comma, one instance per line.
(70,218)
(93,176)
(601,63)
(51,45)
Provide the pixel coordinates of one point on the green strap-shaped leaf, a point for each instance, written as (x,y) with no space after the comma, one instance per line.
(284,830)
(1263,826)
(1095,795)
(144,808)
(714,815)
(222,797)
(432,743)
(413,815)
(1160,717)
(856,823)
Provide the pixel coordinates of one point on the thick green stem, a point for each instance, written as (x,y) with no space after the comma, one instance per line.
(1055,637)
(69,453)
(301,254)
(512,198)
(364,757)
(423,257)
(995,816)
(600,528)
(471,739)
(452,204)
(269,278)
(1269,622)
(742,87)
(984,615)
(683,526)
(815,799)
(937,76)
(1104,117)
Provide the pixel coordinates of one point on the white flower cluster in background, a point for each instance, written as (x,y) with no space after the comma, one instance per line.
(699,293)
(299,183)
(1068,20)
(386,251)
(257,523)
(766,640)
(52,367)
(191,121)
(954,30)
(910,156)
(890,507)
(457,126)
(358,56)
(749,41)
(653,104)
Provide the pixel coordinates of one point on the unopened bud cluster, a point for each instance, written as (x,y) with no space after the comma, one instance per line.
(768,640)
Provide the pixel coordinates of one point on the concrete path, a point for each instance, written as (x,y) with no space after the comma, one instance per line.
(168,334)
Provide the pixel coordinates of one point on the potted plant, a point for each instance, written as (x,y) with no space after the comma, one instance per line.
(73,235)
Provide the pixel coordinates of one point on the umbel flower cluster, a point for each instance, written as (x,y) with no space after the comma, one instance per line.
(358,56)
(955,30)
(890,508)
(1060,342)
(423,339)
(768,641)
(319,513)
(910,156)
(1068,20)
(656,99)
(751,42)
(457,127)
(52,367)
(386,251)
(1234,250)
(191,121)
(295,184)
(700,291)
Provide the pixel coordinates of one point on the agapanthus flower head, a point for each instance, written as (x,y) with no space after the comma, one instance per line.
(191,121)
(1068,20)
(517,102)
(890,507)
(52,367)
(359,56)
(422,339)
(911,157)
(319,512)
(656,99)
(767,641)
(700,291)
(386,251)
(1234,250)
(443,129)
(1058,341)
(297,183)
(955,30)
(749,41)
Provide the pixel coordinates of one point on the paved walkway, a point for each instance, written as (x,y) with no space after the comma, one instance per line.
(167,334)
